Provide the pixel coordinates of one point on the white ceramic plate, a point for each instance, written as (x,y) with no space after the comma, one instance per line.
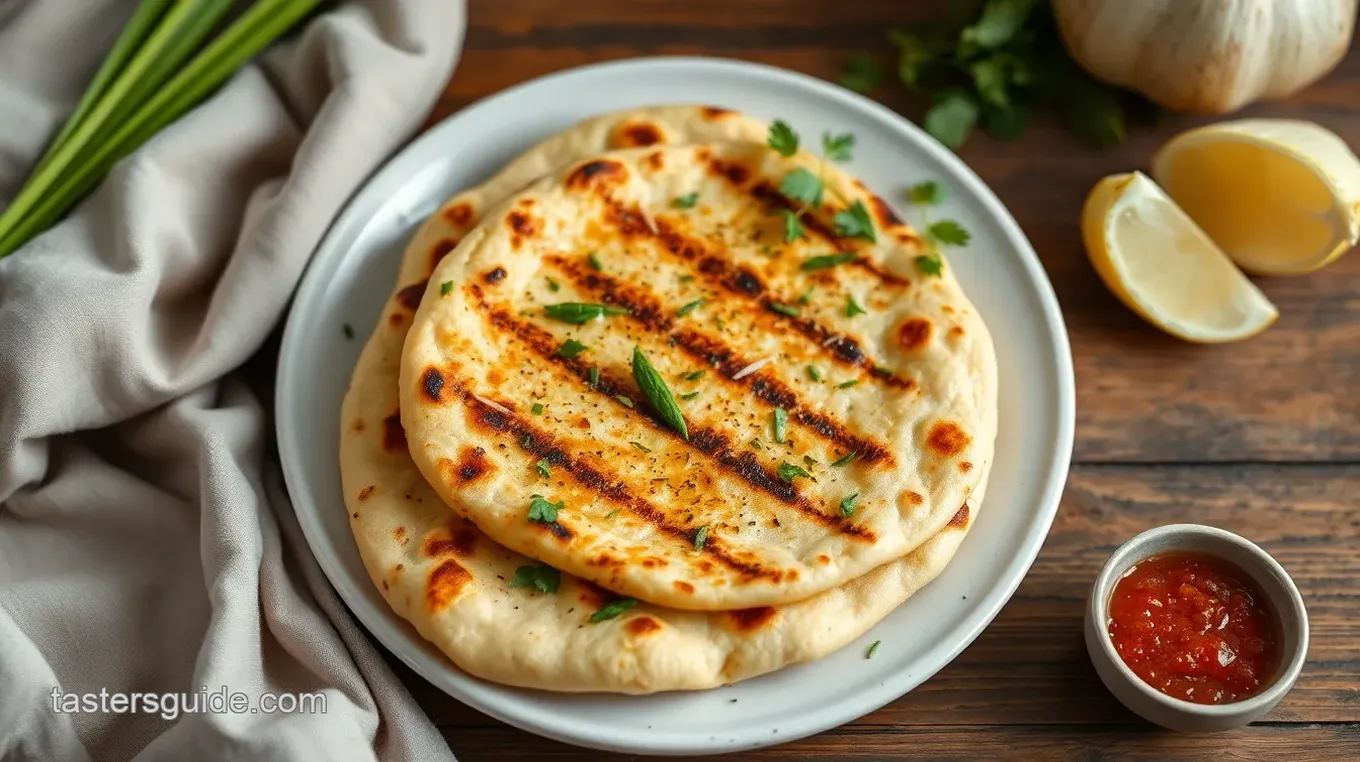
(350,278)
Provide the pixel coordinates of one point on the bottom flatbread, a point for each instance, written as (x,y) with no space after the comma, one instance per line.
(437,571)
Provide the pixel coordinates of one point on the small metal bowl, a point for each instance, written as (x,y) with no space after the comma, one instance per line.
(1157,707)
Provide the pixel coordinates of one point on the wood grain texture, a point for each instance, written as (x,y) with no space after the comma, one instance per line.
(1261,438)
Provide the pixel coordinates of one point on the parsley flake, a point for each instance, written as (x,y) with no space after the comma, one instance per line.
(624,401)
(640,447)
(781,424)
(544,468)
(689,307)
(687,396)
(537,409)
(847,384)
(686,201)
(852,307)
(542,511)
(541,577)
(929,264)
(553,285)
(701,537)
(782,138)
(790,471)
(570,348)
(807,295)
(848,504)
(756,444)
(612,610)
(837,147)
(843,460)
(826,261)
(446,288)
(783,309)
(815,373)
(594,376)
(693,375)
(349,331)
(811,461)
(855,223)
(872,650)
(580,313)
(802,186)
(793,227)
(595,263)
(949,232)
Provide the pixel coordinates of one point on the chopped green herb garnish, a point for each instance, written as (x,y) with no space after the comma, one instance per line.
(848,505)
(446,288)
(852,307)
(793,227)
(579,313)
(537,409)
(694,375)
(543,511)
(837,147)
(802,186)
(782,138)
(811,461)
(790,471)
(594,260)
(862,73)
(830,260)
(929,264)
(847,384)
(640,447)
(720,324)
(926,193)
(781,424)
(612,610)
(544,468)
(872,650)
(784,309)
(855,223)
(949,232)
(658,395)
(756,444)
(815,373)
(689,395)
(700,537)
(613,513)
(349,330)
(843,460)
(689,307)
(806,298)
(686,201)
(594,376)
(553,285)
(541,577)
(570,348)
(624,401)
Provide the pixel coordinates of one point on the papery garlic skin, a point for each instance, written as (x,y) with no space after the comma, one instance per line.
(1208,56)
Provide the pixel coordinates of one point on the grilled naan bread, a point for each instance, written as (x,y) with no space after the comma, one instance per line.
(817,443)
(454,584)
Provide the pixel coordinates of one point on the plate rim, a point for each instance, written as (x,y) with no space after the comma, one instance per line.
(349,225)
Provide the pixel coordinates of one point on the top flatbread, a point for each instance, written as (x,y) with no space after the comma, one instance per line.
(452,583)
(909,386)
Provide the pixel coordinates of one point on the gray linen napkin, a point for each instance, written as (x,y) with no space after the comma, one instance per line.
(145,542)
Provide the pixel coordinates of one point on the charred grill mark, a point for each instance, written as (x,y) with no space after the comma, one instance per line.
(543,445)
(734,172)
(710,442)
(639,134)
(440,251)
(886,216)
(409,297)
(596,172)
(960,519)
(472,464)
(494,276)
(647,310)
(873,268)
(432,383)
(394,435)
(715,112)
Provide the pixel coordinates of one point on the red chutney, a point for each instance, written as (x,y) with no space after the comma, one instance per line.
(1195,627)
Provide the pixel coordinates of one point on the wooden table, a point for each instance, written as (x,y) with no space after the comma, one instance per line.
(1260,438)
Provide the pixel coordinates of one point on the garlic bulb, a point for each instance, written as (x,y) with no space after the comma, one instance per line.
(1211,56)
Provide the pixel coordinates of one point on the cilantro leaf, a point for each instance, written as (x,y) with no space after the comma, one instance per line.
(991,77)
(537,409)
(793,227)
(571,348)
(855,222)
(826,261)
(544,468)
(949,232)
(852,307)
(848,504)
(689,307)
(930,264)
(844,459)
(927,193)
(701,537)
(837,147)
(781,425)
(790,471)
(862,73)
(782,138)
(951,117)
(541,577)
(686,201)
(612,610)
(803,186)
(998,24)
(446,288)
(543,511)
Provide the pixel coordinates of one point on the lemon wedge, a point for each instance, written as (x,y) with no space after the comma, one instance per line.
(1164,267)
(1279,196)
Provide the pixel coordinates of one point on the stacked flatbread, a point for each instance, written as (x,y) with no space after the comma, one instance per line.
(636,420)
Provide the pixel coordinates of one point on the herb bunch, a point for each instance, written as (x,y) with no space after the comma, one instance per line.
(991,64)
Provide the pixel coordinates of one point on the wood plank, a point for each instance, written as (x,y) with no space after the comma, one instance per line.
(1030,666)
(1316,743)
(1142,396)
